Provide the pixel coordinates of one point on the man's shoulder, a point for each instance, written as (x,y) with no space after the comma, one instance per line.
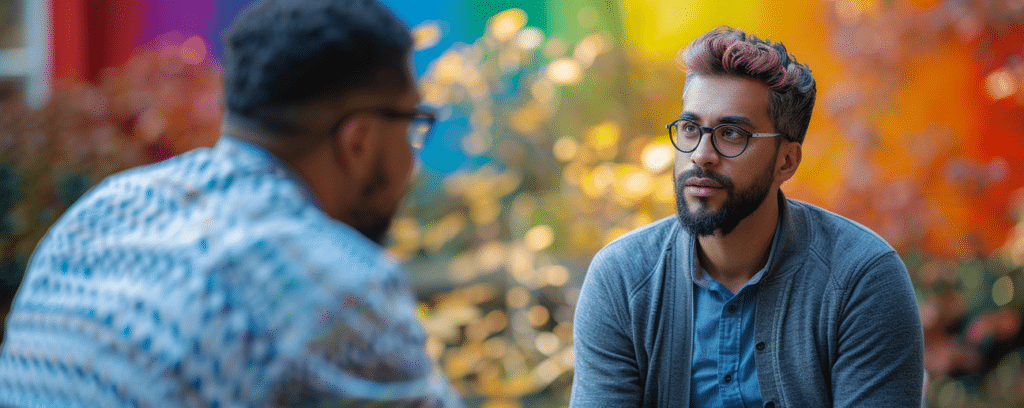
(207,204)
(634,256)
(149,180)
(655,234)
(124,199)
(219,213)
(833,238)
(828,225)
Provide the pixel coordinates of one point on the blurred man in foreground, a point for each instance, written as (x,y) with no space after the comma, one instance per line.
(249,274)
(746,298)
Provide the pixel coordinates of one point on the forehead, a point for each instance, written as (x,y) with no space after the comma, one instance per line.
(714,96)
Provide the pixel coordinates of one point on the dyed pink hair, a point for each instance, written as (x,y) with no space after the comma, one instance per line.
(729,51)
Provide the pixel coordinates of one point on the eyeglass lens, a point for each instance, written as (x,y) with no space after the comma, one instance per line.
(419,129)
(728,140)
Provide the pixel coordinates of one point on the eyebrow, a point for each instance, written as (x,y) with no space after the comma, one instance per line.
(732,119)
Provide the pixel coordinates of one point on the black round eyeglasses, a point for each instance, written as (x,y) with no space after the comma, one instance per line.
(421,122)
(728,140)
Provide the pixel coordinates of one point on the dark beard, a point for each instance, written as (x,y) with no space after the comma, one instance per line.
(736,207)
(369,220)
(377,232)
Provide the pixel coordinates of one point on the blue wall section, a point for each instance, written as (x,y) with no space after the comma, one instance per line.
(444,153)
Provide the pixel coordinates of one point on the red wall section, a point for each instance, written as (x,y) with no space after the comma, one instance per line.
(89,35)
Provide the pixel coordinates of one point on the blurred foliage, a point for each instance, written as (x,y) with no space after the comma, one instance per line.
(940,184)
(575,166)
(569,153)
(11,24)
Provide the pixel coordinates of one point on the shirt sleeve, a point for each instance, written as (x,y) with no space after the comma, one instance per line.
(880,358)
(606,369)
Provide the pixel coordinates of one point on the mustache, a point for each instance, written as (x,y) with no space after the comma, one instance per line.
(699,172)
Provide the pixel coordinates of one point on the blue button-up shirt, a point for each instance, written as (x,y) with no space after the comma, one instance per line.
(724,373)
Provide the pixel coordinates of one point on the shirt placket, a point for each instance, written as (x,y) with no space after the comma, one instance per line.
(730,329)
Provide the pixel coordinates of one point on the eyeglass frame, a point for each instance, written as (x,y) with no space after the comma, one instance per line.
(421,113)
(711,130)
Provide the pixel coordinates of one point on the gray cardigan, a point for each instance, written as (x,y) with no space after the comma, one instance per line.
(837,323)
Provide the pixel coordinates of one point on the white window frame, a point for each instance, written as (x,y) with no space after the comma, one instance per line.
(32,64)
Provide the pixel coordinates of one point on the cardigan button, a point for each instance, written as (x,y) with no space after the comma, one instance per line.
(769,404)
(760,346)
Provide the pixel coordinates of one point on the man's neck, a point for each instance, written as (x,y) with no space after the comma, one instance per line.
(286,148)
(734,258)
(310,163)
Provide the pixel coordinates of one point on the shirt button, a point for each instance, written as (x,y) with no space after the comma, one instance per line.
(760,346)
(732,308)
(728,378)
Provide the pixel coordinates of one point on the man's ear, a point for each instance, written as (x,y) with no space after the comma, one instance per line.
(355,145)
(788,160)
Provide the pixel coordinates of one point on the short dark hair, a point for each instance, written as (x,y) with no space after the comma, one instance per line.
(729,51)
(285,52)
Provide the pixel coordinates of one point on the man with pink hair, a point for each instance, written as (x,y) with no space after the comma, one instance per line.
(746,298)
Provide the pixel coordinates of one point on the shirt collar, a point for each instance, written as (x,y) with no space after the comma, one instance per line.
(255,155)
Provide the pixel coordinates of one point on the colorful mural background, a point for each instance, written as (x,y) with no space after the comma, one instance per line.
(554,144)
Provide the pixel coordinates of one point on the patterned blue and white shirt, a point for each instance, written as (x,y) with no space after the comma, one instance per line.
(213,279)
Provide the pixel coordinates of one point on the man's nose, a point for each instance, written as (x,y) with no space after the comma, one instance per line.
(705,153)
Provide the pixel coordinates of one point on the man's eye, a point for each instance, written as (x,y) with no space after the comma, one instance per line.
(690,128)
(731,133)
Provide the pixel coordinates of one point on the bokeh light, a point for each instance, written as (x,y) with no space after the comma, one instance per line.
(505,24)
(193,50)
(530,38)
(564,71)
(1001,84)
(426,35)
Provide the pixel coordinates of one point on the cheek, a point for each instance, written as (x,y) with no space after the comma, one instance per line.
(400,168)
(404,166)
(680,162)
(398,160)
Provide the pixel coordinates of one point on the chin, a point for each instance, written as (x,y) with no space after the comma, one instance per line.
(373,223)
(700,207)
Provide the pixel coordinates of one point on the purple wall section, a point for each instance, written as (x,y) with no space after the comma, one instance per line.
(189,17)
(209,19)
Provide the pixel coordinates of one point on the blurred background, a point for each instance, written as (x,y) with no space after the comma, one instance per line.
(553,144)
